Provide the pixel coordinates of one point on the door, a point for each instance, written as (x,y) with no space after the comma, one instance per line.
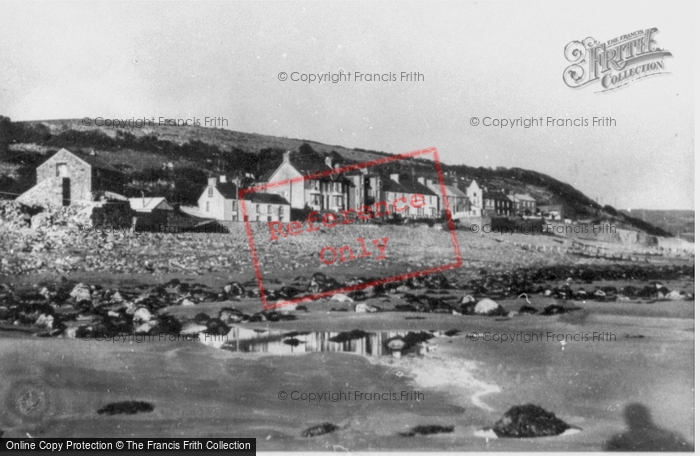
(65,183)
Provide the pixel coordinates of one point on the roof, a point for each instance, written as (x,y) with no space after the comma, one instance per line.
(307,164)
(452,190)
(405,186)
(265,198)
(149,203)
(525,197)
(229,190)
(92,160)
(390,185)
(496,196)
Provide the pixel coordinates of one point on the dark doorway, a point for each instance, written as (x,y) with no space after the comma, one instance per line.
(66,191)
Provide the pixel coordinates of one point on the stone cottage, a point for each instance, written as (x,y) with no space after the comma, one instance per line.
(70,178)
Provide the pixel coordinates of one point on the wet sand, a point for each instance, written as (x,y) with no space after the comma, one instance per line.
(204,391)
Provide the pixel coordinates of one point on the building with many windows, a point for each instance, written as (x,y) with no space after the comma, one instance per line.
(310,192)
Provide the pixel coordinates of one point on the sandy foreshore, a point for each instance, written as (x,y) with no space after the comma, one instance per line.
(473,368)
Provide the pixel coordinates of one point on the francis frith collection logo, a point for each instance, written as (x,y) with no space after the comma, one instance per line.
(615,63)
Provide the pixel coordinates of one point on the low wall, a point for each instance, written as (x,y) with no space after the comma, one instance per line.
(602,233)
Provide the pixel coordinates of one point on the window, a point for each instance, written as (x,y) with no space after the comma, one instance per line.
(269,208)
(207,210)
(257,209)
(211,191)
(281,212)
(61,170)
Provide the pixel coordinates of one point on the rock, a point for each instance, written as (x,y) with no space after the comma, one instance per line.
(192,327)
(234,289)
(341,298)
(490,308)
(142,314)
(145,328)
(45,321)
(527,310)
(554,309)
(257,318)
(187,302)
(364,308)
(468,299)
(230,315)
(217,327)
(525,421)
(321,429)
(427,430)
(167,324)
(126,408)
(674,295)
(81,292)
(321,283)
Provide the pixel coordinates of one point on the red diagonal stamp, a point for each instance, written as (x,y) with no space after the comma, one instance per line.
(327,198)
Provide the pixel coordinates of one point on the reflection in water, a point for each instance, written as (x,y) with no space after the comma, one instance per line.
(644,435)
(281,343)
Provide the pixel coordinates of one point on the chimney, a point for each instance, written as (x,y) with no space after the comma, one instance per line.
(421,180)
(394,177)
(329,162)
(212,181)
(222,178)
(429,182)
(285,157)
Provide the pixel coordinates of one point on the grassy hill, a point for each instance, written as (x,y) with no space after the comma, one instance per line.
(677,222)
(197,152)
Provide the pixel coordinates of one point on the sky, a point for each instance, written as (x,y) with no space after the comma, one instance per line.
(497,59)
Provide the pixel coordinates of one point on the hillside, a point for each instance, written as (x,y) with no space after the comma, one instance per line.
(197,152)
(677,222)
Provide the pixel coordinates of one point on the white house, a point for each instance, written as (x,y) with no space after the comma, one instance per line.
(456,199)
(476,198)
(266,207)
(219,200)
(394,188)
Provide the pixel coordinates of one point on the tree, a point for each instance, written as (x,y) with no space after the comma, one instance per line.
(609,210)
(5,126)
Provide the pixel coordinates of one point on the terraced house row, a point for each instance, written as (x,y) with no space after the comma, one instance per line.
(312,186)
